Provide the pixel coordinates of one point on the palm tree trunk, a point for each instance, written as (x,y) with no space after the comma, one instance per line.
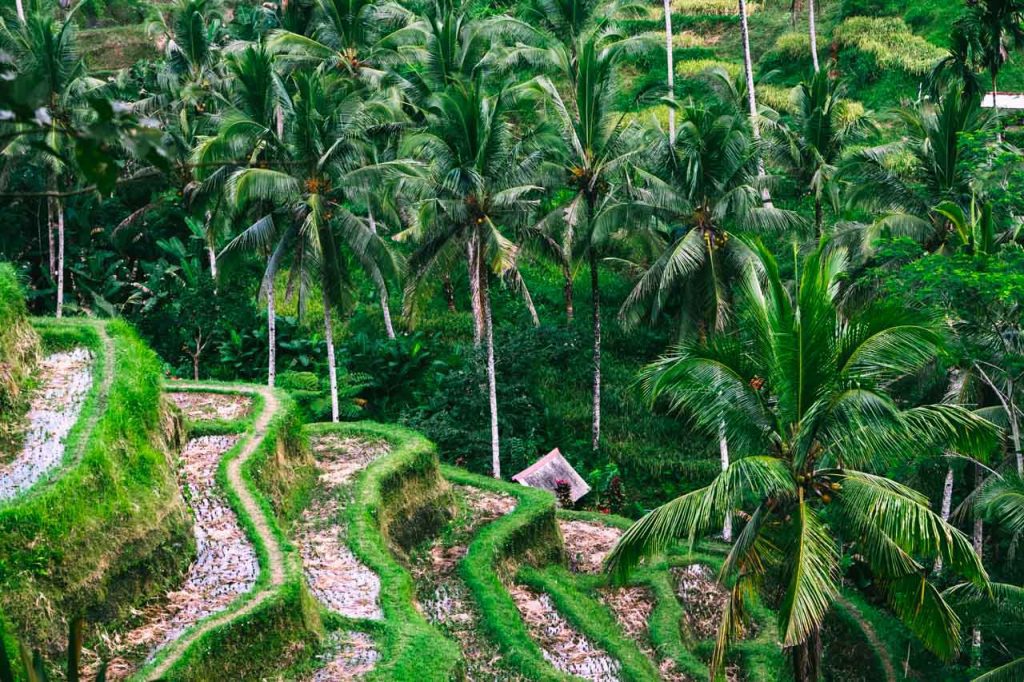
(567,293)
(995,106)
(1015,428)
(449,293)
(807,658)
(819,216)
(268,290)
(21,10)
(978,540)
(595,293)
(723,451)
(332,368)
(671,72)
(382,288)
(947,507)
(492,380)
(51,228)
(748,68)
(814,36)
(60,259)
(474,289)
(211,255)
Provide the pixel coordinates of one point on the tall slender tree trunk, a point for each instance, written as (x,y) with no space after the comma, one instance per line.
(449,293)
(814,35)
(19,5)
(807,658)
(995,107)
(332,367)
(472,248)
(819,216)
(595,292)
(211,256)
(723,451)
(748,69)
(1014,427)
(60,259)
(273,263)
(946,508)
(567,293)
(978,540)
(271,334)
(671,72)
(492,380)
(382,288)
(51,228)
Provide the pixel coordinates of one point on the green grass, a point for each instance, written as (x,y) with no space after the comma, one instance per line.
(109,530)
(398,489)
(19,351)
(116,47)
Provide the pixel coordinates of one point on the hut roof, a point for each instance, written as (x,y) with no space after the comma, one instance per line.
(550,468)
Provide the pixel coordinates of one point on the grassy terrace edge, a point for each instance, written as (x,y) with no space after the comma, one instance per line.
(263,627)
(408,471)
(115,483)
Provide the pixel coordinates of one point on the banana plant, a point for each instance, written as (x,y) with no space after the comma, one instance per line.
(974,229)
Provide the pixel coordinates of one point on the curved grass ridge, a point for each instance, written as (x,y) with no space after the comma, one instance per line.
(386,491)
(263,626)
(530,535)
(108,527)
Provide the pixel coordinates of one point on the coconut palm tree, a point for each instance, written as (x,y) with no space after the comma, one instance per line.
(359,37)
(823,123)
(802,392)
(906,180)
(46,52)
(998,25)
(700,188)
(324,162)
(596,152)
(958,68)
(479,183)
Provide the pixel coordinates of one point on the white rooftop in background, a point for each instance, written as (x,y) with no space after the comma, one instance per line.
(1005,100)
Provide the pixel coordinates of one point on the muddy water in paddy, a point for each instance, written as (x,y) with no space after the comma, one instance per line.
(64,380)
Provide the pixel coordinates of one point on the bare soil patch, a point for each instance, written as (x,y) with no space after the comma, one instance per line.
(587,544)
(199,406)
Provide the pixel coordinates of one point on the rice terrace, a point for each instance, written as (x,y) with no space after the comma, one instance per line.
(525,340)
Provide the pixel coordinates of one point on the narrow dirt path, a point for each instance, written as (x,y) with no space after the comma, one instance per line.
(873,638)
(67,378)
(275,557)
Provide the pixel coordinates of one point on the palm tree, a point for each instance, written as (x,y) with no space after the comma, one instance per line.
(813,29)
(323,164)
(596,152)
(359,37)
(478,184)
(748,71)
(803,395)
(823,124)
(906,180)
(998,26)
(46,53)
(957,68)
(701,187)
